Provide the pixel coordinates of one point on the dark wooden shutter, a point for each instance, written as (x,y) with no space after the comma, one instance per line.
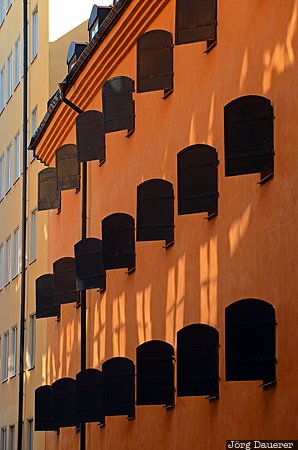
(90,396)
(65,403)
(249,144)
(118,237)
(44,412)
(155,211)
(91,136)
(68,167)
(250,341)
(65,281)
(196,20)
(48,195)
(155,374)
(45,297)
(119,387)
(118,104)
(90,273)
(197,361)
(155,61)
(197,180)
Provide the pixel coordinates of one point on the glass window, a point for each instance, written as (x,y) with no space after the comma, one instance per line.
(2,176)
(2,88)
(34,33)
(17,62)
(2,11)
(8,167)
(8,4)
(3,438)
(5,356)
(11,438)
(33,236)
(15,253)
(1,265)
(14,342)
(31,347)
(9,76)
(7,261)
(17,156)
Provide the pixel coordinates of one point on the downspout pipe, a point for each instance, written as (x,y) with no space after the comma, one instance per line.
(24,226)
(84,235)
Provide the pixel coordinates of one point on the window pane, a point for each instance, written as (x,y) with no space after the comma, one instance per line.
(1,265)
(7,261)
(34,33)
(3,438)
(5,356)
(2,11)
(17,157)
(31,349)
(13,363)
(2,88)
(33,237)
(11,438)
(17,62)
(8,167)
(1,177)
(9,76)
(15,254)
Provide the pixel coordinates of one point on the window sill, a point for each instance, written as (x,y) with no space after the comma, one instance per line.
(13,375)
(1,111)
(16,180)
(1,23)
(33,261)
(6,284)
(14,277)
(9,9)
(5,380)
(33,159)
(8,190)
(31,368)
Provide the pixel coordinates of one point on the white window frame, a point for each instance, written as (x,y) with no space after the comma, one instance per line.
(3,438)
(5,355)
(17,157)
(11,437)
(8,169)
(14,351)
(17,62)
(2,88)
(32,341)
(1,266)
(34,18)
(9,76)
(7,262)
(15,263)
(2,178)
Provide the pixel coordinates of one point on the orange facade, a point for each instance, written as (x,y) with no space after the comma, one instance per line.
(248,251)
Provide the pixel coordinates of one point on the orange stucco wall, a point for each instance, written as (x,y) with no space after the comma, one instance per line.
(249,250)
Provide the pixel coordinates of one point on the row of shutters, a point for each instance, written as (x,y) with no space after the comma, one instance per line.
(250,355)
(249,148)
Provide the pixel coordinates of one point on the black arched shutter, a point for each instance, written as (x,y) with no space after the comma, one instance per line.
(155,373)
(91,136)
(197,180)
(196,20)
(45,297)
(90,273)
(155,211)
(155,61)
(65,281)
(250,341)
(118,237)
(68,167)
(197,361)
(119,387)
(249,143)
(48,195)
(118,104)
(90,396)
(44,412)
(65,403)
